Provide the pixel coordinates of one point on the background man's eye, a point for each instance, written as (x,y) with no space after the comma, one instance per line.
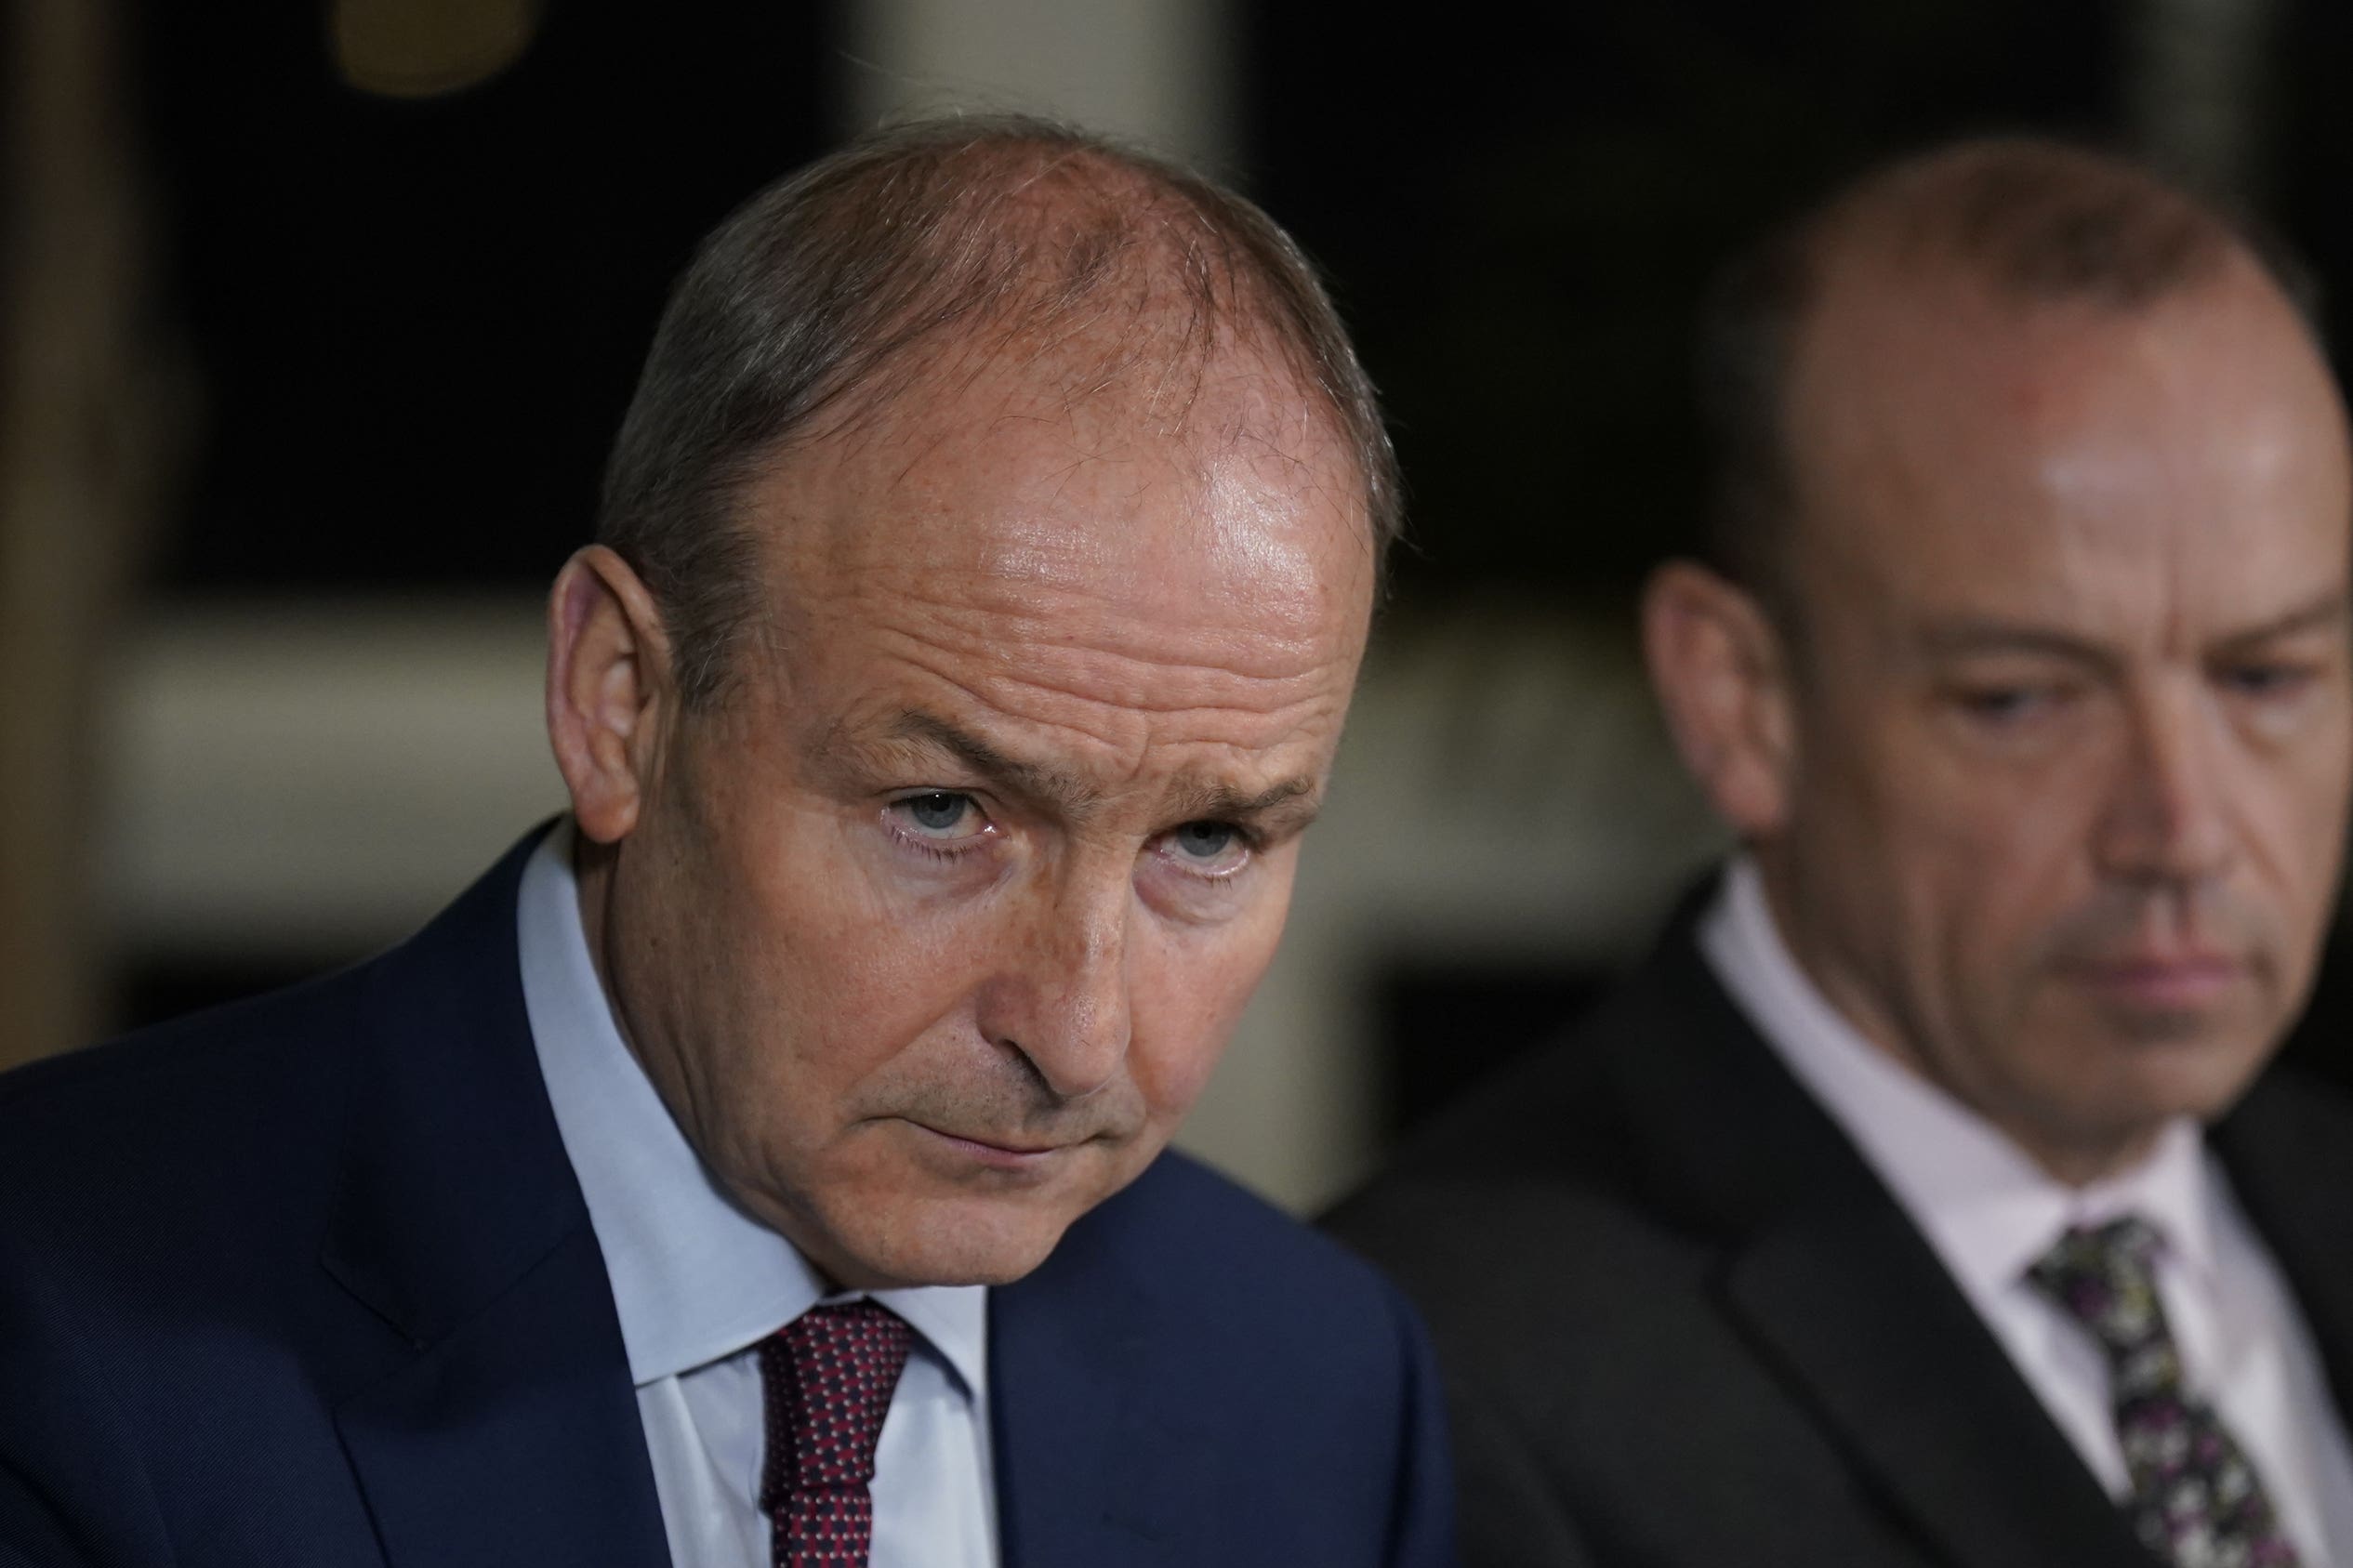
(1206,840)
(2266,681)
(2000,704)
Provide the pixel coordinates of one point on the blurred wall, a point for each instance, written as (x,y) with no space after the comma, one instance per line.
(1160,71)
(81,446)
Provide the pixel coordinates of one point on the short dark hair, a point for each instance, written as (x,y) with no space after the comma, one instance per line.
(819,295)
(2036,221)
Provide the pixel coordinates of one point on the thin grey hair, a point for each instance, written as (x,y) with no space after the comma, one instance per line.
(827,293)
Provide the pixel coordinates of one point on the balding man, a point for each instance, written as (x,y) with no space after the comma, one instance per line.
(1913,1204)
(766,1164)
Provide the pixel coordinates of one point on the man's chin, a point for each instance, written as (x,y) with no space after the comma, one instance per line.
(936,1214)
(2193,1075)
(958,1234)
(957,1243)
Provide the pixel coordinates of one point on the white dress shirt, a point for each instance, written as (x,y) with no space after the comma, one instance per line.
(698,1283)
(1990,1212)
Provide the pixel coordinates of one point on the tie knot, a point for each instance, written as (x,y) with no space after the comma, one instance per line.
(2105,1277)
(828,1378)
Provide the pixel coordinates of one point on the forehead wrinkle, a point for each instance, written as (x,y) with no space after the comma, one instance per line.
(1192,794)
(1040,598)
(1133,735)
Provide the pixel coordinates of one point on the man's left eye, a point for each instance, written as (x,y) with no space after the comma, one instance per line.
(1208,845)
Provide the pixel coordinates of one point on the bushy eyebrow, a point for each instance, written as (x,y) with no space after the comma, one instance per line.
(1284,808)
(1988,635)
(1047,784)
(1287,807)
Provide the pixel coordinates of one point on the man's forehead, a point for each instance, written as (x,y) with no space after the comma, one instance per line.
(1886,331)
(1915,397)
(1009,471)
(1102,389)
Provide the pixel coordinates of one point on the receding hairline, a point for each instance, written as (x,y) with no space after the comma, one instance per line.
(1091,346)
(984,394)
(2034,221)
(828,293)
(1149,316)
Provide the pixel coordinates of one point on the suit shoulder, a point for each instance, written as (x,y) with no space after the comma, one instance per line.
(1556,1117)
(161,1120)
(230,1075)
(1197,1229)
(2297,1094)
(1293,1390)
(1547,1213)
(181,1056)
(1221,1274)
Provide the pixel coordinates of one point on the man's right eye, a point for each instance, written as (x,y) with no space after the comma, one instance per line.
(2008,705)
(1998,703)
(938,817)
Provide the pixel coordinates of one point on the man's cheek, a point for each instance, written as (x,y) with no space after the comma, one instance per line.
(1174,1054)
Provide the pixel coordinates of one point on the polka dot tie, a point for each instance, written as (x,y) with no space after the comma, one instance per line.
(828,1377)
(2196,1501)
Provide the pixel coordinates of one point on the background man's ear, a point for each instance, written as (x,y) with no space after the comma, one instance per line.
(608,690)
(1721,670)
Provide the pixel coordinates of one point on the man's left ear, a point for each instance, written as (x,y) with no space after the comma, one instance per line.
(608,690)
(1720,672)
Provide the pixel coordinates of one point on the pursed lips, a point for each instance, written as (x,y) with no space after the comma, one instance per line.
(2178,978)
(1004,1154)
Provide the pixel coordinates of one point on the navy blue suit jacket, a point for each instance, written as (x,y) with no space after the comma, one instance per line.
(308,1280)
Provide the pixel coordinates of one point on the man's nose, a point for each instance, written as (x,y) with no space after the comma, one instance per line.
(2168,817)
(1060,997)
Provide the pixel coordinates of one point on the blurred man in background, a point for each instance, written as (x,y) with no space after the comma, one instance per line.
(1925,1198)
(767,1164)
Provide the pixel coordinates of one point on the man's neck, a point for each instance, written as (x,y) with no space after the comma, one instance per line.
(2071,1157)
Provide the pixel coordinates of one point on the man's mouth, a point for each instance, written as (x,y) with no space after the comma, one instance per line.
(2170,981)
(996,1151)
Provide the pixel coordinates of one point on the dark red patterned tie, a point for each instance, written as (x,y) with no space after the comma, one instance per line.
(2196,1500)
(827,1377)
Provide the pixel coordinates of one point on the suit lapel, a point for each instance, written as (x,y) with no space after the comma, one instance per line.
(1843,1296)
(509,1432)
(1870,1333)
(514,1439)
(1084,1474)
(2288,1148)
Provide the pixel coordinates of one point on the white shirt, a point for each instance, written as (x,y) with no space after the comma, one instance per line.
(698,1283)
(1990,1212)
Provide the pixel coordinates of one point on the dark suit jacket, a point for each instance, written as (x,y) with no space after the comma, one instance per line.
(308,1280)
(1684,1324)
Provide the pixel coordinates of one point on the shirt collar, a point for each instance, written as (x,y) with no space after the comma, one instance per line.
(1984,1204)
(694,1277)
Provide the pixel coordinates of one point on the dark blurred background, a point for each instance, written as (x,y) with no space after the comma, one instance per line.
(319,317)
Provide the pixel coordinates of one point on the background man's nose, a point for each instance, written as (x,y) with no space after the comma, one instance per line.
(2168,816)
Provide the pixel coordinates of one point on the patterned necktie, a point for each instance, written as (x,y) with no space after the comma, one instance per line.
(2196,1500)
(827,1377)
